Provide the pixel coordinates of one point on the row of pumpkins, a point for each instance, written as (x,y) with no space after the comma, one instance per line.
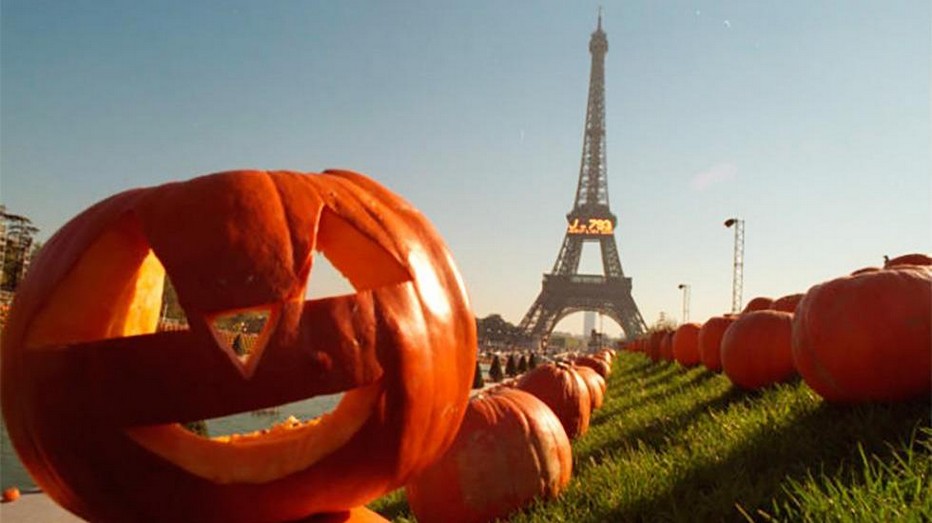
(860,337)
(513,445)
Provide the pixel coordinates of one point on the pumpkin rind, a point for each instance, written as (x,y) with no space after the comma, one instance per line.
(595,383)
(867,337)
(70,388)
(510,450)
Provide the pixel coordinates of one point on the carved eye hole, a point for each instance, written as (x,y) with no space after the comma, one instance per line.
(125,279)
(244,334)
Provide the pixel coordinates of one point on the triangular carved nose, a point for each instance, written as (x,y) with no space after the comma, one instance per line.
(243,334)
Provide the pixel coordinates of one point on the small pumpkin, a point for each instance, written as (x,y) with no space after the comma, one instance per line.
(10,494)
(666,346)
(759,303)
(510,450)
(564,391)
(596,384)
(710,341)
(786,303)
(93,397)
(654,342)
(756,349)
(907,259)
(867,337)
(686,344)
(597,364)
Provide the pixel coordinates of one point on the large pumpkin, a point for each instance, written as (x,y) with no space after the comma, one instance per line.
(787,303)
(564,391)
(93,396)
(510,450)
(867,337)
(756,350)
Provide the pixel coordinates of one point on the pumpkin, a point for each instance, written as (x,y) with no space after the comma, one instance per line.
(864,269)
(93,397)
(354,515)
(907,259)
(758,304)
(867,337)
(756,349)
(666,346)
(510,450)
(653,344)
(597,364)
(686,344)
(10,494)
(564,391)
(710,341)
(595,383)
(786,303)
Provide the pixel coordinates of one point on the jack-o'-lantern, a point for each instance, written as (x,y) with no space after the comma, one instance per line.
(93,395)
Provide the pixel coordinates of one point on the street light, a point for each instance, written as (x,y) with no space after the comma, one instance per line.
(685,288)
(737,281)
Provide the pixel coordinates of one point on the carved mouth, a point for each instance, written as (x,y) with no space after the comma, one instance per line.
(264,455)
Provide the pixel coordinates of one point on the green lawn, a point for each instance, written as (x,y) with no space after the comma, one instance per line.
(676,444)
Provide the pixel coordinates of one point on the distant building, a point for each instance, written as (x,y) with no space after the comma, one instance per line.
(588,323)
(17,246)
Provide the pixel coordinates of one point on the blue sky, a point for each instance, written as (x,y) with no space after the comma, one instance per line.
(808,119)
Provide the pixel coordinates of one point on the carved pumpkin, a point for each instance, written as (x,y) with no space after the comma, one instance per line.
(756,349)
(867,337)
(510,450)
(686,344)
(595,383)
(710,341)
(564,391)
(93,396)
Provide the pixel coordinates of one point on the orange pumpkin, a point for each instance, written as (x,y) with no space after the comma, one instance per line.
(595,383)
(597,364)
(758,304)
(654,342)
(93,396)
(710,341)
(564,391)
(10,494)
(354,515)
(510,450)
(686,344)
(756,349)
(867,337)
(666,346)
(786,303)
(907,259)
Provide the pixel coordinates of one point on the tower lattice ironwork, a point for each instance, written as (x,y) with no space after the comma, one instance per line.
(565,290)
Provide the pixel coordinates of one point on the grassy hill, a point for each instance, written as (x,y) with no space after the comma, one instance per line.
(676,444)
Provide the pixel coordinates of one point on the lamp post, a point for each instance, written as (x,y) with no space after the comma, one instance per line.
(737,281)
(685,288)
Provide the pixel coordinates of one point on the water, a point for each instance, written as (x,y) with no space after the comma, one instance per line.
(12,472)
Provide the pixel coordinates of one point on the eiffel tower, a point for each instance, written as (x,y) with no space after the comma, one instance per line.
(565,291)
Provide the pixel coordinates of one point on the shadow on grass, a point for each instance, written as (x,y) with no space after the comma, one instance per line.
(658,433)
(610,412)
(753,474)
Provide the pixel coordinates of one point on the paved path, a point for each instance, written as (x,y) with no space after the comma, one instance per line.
(35,508)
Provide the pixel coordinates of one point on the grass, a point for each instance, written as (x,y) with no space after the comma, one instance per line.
(676,444)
